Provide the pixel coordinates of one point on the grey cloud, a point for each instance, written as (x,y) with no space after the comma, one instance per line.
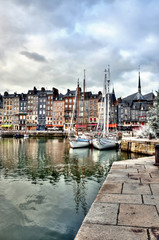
(56,24)
(35,56)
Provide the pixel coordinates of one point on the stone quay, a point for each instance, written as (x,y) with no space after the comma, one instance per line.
(143,146)
(127,205)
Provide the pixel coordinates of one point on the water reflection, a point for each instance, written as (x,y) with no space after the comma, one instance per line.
(48,187)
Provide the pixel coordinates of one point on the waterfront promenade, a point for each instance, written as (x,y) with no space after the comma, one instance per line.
(127,205)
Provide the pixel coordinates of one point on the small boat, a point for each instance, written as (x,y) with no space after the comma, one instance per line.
(26,135)
(102,143)
(77,141)
(18,135)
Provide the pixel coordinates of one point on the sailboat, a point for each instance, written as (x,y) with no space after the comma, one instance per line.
(79,142)
(103,141)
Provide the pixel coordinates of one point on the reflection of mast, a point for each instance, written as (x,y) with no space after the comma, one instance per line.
(79,188)
(83,101)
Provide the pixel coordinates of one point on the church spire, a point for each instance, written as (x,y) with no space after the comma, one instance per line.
(139,82)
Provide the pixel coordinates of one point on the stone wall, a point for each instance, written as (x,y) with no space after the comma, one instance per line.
(139,146)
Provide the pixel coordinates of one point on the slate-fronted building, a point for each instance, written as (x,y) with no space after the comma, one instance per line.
(133,109)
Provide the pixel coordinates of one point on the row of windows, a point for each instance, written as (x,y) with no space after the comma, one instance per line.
(58,104)
(69,100)
(50,97)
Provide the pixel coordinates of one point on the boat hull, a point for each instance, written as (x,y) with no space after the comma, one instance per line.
(79,143)
(104,143)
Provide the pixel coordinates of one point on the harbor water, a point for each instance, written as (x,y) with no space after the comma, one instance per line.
(46,188)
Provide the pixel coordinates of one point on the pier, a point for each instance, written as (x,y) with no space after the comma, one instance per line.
(136,145)
(127,205)
(36,133)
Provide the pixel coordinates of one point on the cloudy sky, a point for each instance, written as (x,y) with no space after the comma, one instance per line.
(49,43)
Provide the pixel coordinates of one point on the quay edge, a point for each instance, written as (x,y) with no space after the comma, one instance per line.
(142,146)
(37,134)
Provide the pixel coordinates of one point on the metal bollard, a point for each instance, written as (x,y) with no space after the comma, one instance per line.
(157,155)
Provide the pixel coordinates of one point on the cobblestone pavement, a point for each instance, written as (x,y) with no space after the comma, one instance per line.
(127,205)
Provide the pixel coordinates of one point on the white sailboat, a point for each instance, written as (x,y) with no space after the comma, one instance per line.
(83,141)
(103,141)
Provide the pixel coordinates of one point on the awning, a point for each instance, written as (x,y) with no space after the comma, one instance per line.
(92,124)
(81,126)
(7,126)
(57,125)
(113,125)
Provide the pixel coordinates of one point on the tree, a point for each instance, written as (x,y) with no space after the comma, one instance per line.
(153,119)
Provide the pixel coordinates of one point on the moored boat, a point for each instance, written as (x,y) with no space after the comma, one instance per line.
(103,141)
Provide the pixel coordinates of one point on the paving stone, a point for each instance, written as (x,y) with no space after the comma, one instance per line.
(149,180)
(136,188)
(105,232)
(123,171)
(120,163)
(157,206)
(118,166)
(140,175)
(119,179)
(154,174)
(138,215)
(136,166)
(108,187)
(121,174)
(133,179)
(102,213)
(119,198)
(144,171)
(155,188)
(151,199)
(154,233)
(151,168)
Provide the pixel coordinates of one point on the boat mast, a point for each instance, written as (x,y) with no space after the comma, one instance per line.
(105,90)
(108,81)
(83,102)
(77,105)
